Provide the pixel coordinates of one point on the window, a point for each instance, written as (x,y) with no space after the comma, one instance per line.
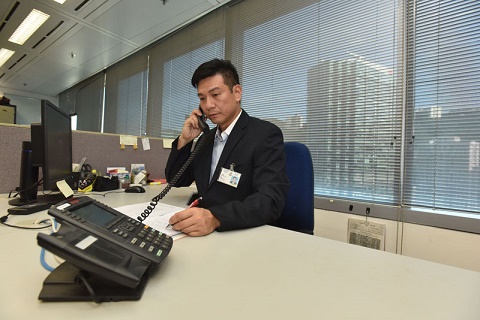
(126,96)
(86,100)
(172,63)
(89,106)
(329,74)
(443,133)
(384,93)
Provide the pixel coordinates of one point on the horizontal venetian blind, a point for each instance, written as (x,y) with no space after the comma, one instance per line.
(328,73)
(85,99)
(126,96)
(443,151)
(172,64)
(89,104)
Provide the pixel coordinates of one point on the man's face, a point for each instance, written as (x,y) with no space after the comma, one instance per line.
(219,103)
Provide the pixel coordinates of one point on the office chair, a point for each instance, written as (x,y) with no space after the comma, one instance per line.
(297,214)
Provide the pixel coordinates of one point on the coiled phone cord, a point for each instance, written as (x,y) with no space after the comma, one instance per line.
(170,184)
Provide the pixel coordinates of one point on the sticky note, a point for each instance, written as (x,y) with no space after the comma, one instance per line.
(167,143)
(128,140)
(64,188)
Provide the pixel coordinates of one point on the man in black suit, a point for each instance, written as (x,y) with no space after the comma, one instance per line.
(240,171)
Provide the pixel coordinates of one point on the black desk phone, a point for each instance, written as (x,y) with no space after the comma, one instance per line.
(109,255)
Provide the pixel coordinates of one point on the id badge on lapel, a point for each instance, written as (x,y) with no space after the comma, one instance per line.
(229,176)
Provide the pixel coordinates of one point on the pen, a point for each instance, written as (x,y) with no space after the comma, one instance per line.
(193,204)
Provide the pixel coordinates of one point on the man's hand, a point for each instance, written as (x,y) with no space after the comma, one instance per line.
(194,222)
(191,129)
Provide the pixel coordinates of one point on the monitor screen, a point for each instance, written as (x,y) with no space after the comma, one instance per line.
(50,149)
(57,137)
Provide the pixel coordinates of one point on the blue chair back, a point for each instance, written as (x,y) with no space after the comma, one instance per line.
(298,214)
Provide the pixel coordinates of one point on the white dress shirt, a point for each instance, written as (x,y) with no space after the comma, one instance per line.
(219,144)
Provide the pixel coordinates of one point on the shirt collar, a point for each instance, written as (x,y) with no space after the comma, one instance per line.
(229,129)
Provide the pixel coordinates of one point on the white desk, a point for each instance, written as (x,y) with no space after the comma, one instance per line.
(260,273)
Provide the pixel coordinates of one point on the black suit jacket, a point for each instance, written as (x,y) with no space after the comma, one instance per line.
(256,149)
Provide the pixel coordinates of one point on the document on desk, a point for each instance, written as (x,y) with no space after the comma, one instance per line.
(158,219)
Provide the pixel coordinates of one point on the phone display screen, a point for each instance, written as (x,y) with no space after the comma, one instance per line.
(95,215)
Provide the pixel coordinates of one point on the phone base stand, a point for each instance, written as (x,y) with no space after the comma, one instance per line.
(69,283)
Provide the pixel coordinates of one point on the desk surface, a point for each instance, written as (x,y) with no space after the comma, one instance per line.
(260,273)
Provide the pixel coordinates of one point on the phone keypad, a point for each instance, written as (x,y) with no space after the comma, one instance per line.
(153,241)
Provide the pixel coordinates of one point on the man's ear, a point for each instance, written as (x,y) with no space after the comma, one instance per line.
(237,90)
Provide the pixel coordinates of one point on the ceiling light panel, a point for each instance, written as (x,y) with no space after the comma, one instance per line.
(31,23)
(60,1)
(5,54)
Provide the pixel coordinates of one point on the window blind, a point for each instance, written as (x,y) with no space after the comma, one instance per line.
(126,96)
(391,119)
(172,63)
(89,105)
(86,100)
(329,74)
(66,100)
(442,170)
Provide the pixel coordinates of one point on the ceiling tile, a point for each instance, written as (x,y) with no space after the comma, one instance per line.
(98,32)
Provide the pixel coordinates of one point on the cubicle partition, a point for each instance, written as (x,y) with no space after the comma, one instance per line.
(102,150)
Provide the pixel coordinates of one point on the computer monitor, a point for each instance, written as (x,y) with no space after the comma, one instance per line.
(50,148)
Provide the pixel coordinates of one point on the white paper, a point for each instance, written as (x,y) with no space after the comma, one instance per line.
(139,177)
(146,144)
(158,219)
(367,234)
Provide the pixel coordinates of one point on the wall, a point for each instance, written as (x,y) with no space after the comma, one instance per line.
(28,104)
(459,249)
(28,109)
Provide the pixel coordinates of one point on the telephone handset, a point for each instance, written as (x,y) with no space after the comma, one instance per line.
(202,121)
(205,129)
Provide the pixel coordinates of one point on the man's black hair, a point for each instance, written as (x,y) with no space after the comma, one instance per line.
(216,66)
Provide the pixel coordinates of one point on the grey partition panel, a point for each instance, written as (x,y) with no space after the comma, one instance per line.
(101,151)
(104,150)
(11,137)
